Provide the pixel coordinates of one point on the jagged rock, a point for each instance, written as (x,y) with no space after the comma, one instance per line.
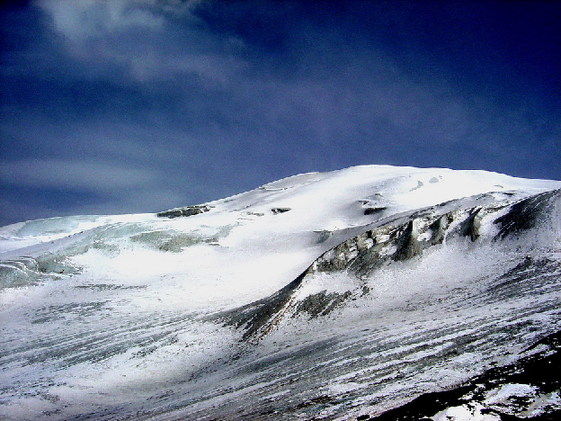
(439,228)
(538,371)
(525,214)
(372,211)
(471,225)
(322,303)
(185,211)
(408,246)
(276,211)
(258,318)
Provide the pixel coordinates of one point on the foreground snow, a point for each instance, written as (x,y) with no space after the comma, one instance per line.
(320,295)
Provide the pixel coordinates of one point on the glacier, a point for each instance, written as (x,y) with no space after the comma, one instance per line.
(372,292)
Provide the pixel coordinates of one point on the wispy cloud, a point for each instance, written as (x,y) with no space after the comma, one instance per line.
(201,99)
(86,19)
(215,83)
(142,38)
(116,189)
(102,177)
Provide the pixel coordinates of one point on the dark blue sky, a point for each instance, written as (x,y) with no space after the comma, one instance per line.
(130,106)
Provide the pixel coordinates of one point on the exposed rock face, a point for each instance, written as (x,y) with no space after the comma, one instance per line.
(276,211)
(395,240)
(408,245)
(391,241)
(439,228)
(259,318)
(185,211)
(471,225)
(321,303)
(373,211)
(527,213)
(528,389)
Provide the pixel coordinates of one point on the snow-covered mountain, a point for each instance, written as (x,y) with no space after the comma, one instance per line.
(373,291)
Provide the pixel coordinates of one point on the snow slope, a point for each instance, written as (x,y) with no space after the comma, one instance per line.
(319,295)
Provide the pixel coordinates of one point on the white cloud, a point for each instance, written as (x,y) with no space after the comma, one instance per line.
(106,32)
(82,19)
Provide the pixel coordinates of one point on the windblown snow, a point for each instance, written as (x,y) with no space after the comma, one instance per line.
(323,295)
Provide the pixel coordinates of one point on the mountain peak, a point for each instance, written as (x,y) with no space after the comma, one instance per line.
(332,295)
